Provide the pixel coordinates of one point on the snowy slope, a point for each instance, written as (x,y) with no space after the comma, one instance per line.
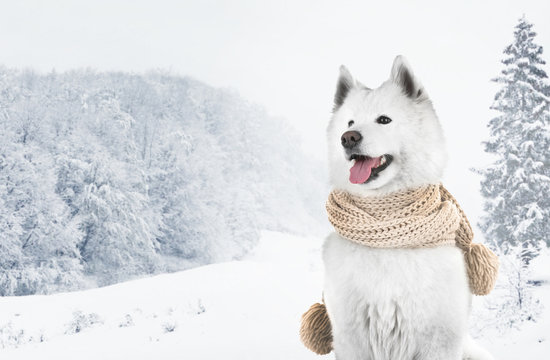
(238,310)
(246,309)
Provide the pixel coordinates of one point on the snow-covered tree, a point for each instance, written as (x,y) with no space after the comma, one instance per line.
(516,186)
(38,239)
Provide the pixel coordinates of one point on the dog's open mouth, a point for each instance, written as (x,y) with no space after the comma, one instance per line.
(367,168)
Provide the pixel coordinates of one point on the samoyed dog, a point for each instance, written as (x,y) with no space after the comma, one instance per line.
(392,304)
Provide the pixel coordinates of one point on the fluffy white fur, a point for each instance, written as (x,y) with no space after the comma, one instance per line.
(394,304)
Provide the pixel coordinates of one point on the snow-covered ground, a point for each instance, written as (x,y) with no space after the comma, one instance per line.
(247,309)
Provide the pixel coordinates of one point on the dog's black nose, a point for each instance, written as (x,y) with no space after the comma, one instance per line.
(350,139)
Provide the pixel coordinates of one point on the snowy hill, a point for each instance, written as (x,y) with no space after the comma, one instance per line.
(246,309)
(237,310)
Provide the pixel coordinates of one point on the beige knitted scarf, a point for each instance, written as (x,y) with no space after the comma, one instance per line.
(427,216)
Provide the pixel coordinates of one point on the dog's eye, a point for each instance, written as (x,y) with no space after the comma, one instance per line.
(383,120)
(351,122)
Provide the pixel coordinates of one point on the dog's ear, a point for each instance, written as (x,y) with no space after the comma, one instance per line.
(402,75)
(345,84)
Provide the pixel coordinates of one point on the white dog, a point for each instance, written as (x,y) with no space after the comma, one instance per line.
(392,304)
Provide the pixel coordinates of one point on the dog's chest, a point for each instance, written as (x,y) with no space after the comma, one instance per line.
(381,300)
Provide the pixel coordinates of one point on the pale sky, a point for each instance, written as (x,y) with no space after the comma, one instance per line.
(285,54)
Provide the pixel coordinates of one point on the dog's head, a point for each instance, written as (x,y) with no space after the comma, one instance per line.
(384,139)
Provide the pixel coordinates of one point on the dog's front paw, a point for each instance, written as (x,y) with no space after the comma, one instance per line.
(472,351)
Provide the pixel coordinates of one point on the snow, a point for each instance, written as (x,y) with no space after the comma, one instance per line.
(248,309)
(532,341)
(236,309)
(540,267)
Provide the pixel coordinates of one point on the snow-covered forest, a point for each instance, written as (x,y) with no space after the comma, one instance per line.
(107,176)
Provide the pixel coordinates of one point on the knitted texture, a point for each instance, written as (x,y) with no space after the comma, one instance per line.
(427,216)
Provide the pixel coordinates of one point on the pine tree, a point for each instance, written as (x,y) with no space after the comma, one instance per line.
(516,186)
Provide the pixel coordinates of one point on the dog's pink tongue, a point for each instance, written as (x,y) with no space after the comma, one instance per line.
(360,171)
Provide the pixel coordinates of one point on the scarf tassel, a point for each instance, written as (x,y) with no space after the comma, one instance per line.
(482,266)
(316,331)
